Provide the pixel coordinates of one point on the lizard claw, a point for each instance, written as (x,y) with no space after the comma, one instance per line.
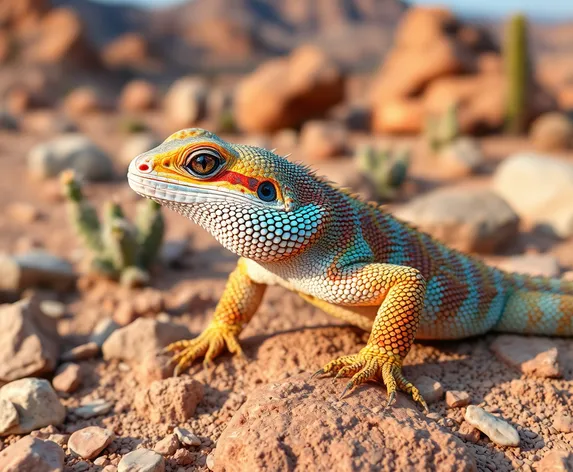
(316,374)
(371,363)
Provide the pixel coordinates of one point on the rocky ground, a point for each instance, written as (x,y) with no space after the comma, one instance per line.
(96,346)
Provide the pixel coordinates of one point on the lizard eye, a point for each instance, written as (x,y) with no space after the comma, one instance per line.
(203,163)
(267,191)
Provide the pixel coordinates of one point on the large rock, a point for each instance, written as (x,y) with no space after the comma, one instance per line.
(60,39)
(32,455)
(425,49)
(186,102)
(36,402)
(552,179)
(399,116)
(470,220)
(284,92)
(29,341)
(301,423)
(141,337)
(130,50)
(138,96)
(73,151)
(35,269)
(323,139)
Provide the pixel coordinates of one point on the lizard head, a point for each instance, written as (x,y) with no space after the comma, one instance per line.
(256,203)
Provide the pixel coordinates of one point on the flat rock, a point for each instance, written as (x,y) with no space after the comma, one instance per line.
(141,460)
(81,352)
(72,151)
(532,356)
(296,422)
(186,437)
(94,408)
(67,378)
(556,461)
(32,455)
(89,442)
(169,400)
(457,399)
(144,335)
(471,220)
(496,429)
(431,390)
(37,404)
(36,269)
(29,341)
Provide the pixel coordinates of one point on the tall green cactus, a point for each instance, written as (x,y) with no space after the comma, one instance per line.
(385,169)
(120,250)
(516,57)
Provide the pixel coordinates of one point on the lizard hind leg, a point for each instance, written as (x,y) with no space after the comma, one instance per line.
(402,292)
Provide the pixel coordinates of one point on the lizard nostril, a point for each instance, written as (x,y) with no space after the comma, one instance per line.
(143,167)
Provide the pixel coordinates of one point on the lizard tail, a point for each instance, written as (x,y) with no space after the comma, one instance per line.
(538,305)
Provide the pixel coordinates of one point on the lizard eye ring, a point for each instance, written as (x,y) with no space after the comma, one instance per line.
(203,162)
(267,192)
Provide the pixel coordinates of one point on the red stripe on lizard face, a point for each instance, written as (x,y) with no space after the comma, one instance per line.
(235,178)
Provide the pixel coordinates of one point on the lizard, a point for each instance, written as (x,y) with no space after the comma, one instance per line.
(349,257)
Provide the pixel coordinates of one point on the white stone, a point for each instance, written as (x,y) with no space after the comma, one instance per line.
(496,429)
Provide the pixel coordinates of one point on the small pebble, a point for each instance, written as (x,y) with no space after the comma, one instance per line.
(496,429)
(211,462)
(187,437)
(183,457)
(81,352)
(95,408)
(53,308)
(456,398)
(563,423)
(142,460)
(89,442)
(167,446)
(67,378)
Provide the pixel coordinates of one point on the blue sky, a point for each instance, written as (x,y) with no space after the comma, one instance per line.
(556,9)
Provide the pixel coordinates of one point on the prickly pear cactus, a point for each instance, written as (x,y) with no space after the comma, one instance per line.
(119,249)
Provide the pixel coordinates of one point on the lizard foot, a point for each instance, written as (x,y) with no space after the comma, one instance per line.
(373,364)
(209,344)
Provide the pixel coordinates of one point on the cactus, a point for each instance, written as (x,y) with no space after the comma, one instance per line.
(442,131)
(517,65)
(120,250)
(385,169)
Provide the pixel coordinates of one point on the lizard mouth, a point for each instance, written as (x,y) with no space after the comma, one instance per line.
(165,191)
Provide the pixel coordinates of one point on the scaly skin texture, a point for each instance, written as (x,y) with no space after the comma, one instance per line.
(348,257)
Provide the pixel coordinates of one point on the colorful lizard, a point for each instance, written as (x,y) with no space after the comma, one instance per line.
(350,258)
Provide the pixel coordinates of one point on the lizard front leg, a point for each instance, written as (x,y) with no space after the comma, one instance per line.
(241,298)
(400,292)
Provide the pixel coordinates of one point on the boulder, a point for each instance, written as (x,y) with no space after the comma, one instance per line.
(300,422)
(135,145)
(186,102)
(138,96)
(470,220)
(399,116)
(130,50)
(73,151)
(29,341)
(285,92)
